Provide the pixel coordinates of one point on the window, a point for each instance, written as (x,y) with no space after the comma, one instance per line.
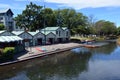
(56,32)
(1,18)
(67,33)
(59,33)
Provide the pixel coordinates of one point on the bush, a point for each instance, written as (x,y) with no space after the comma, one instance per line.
(1,51)
(9,50)
(7,54)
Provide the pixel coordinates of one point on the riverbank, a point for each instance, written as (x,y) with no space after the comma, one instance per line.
(39,51)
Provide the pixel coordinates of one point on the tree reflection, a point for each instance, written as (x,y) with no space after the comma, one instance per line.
(66,64)
(106,49)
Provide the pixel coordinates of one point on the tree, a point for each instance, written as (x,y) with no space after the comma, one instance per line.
(91,24)
(2,27)
(49,17)
(30,18)
(71,19)
(118,31)
(58,17)
(105,27)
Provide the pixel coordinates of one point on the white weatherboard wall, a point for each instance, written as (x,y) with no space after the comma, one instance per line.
(50,35)
(60,33)
(25,35)
(37,36)
(66,33)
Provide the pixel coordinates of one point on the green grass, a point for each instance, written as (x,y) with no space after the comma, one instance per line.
(89,38)
(118,41)
(81,38)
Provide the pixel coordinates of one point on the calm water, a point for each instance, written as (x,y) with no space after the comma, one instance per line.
(78,64)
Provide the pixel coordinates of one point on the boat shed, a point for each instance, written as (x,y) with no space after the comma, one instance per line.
(62,34)
(49,37)
(66,34)
(27,37)
(38,37)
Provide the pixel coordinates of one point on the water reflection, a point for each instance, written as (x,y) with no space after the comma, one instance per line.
(78,64)
(106,49)
(80,50)
(102,70)
(68,67)
(65,64)
(108,52)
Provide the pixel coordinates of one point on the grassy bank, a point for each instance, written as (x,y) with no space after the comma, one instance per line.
(118,41)
(87,38)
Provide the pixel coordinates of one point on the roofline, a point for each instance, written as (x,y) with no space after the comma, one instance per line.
(6,31)
(52,33)
(8,10)
(39,32)
(26,32)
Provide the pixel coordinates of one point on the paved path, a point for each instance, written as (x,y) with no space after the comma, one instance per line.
(35,50)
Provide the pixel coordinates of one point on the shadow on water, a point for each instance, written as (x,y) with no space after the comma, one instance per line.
(69,65)
(66,64)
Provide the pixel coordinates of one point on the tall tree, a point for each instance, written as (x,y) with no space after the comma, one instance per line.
(49,17)
(91,24)
(30,18)
(105,27)
(118,31)
(71,19)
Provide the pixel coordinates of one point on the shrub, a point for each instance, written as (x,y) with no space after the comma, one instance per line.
(1,51)
(9,50)
(7,54)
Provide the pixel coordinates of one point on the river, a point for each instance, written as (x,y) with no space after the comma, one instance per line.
(101,63)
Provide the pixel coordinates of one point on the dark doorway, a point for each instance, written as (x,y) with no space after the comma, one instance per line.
(51,40)
(59,40)
(39,40)
(67,39)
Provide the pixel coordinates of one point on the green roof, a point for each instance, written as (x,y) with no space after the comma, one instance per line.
(33,33)
(47,32)
(17,32)
(64,28)
(50,28)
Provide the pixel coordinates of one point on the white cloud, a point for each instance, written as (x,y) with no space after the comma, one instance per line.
(13,6)
(4,6)
(31,0)
(79,4)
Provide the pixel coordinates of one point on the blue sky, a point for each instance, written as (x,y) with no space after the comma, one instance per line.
(100,9)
